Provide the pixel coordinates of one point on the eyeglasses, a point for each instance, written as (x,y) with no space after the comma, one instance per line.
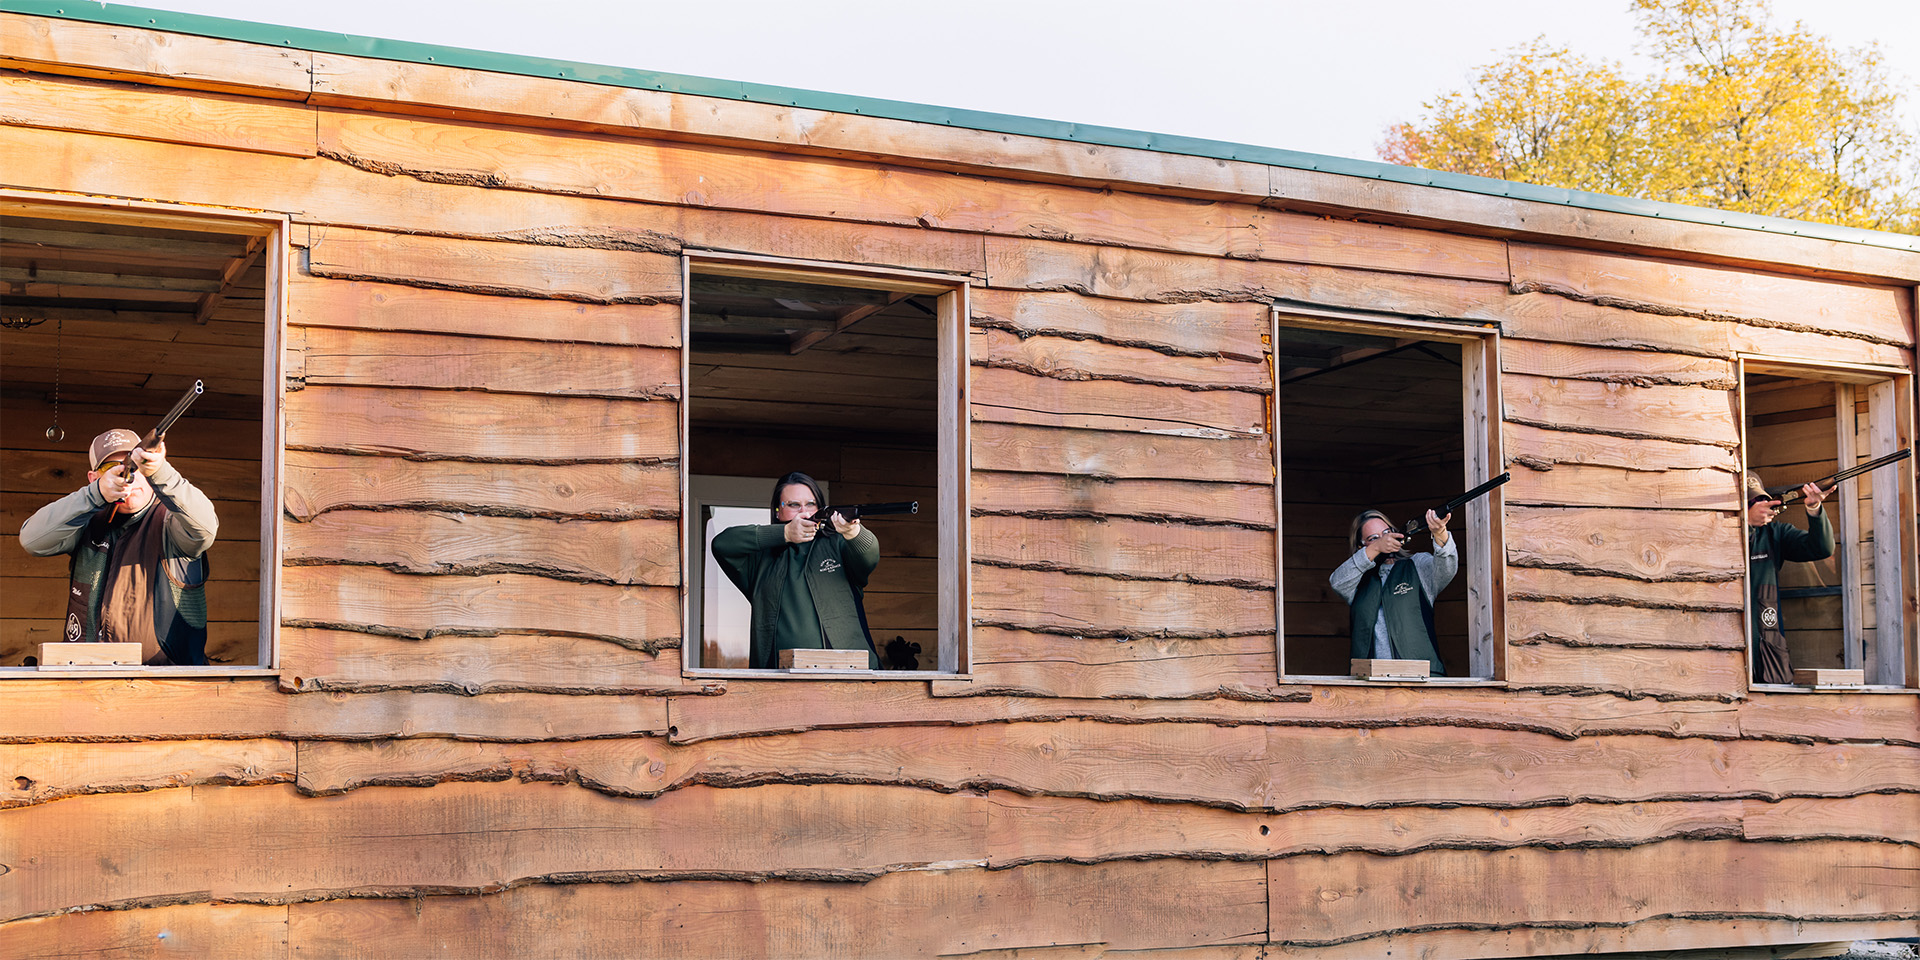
(797,505)
(1373,538)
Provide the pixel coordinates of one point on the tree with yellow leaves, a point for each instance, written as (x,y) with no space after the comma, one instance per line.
(1743,116)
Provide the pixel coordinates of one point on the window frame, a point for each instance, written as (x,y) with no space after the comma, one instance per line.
(1483,543)
(954,475)
(1888,391)
(277,229)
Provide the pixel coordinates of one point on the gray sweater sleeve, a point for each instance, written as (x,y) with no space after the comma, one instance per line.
(1437,568)
(56,527)
(1347,576)
(192,525)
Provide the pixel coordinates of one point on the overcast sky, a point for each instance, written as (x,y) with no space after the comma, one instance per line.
(1315,76)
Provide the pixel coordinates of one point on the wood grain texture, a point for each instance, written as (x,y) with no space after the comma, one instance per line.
(168,59)
(38,772)
(1350,896)
(199,929)
(1551,318)
(1645,545)
(625,552)
(1044,495)
(361,358)
(317,302)
(1127,548)
(1119,456)
(1882,313)
(1184,329)
(254,708)
(1633,672)
(1686,414)
(199,117)
(1748,939)
(1777,342)
(1581,485)
(412,605)
(1027,664)
(319,482)
(281,846)
(1126,906)
(320,659)
(1065,358)
(757,709)
(1010,396)
(1102,606)
(1544,446)
(421,423)
(1574,361)
(1590,587)
(1606,625)
(494,267)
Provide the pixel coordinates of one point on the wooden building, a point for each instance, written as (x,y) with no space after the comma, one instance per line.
(487,341)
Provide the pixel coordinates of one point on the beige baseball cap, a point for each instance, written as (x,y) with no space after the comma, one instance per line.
(112,443)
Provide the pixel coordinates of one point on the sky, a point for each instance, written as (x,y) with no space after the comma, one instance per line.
(1308,75)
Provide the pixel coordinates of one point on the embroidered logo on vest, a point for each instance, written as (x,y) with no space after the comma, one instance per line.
(73,628)
(1769,617)
(1403,589)
(829,566)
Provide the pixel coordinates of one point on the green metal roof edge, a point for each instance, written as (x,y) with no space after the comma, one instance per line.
(320,41)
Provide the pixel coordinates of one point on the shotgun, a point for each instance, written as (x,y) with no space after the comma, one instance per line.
(159,432)
(1418,524)
(1792,494)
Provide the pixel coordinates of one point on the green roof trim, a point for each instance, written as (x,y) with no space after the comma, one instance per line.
(320,41)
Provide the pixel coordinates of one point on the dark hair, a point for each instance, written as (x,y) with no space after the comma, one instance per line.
(793,478)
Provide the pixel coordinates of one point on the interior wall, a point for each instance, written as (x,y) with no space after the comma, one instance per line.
(1792,438)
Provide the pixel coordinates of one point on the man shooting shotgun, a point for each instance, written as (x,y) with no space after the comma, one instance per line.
(1390,592)
(137,536)
(1773,543)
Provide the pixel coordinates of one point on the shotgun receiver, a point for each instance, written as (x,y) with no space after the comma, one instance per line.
(1418,524)
(155,435)
(854,511)
(1791,494)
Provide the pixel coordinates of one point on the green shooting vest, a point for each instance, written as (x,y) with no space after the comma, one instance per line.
(1409,616)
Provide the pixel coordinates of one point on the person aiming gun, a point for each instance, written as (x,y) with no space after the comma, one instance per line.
(805,573)
(1773,543)
(1390,591)
(137,536)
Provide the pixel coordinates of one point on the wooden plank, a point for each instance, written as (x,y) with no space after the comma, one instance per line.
(468,836)
(1200,329)
(41,772)
(1891,817)
(200,118)
(1023,830)
(1538,583)
(1813,345)
(357,358)
(1550,318)
(1101,606)
(1067,495)
(1608,625)
(87,653)
(244,708)
(1023,663)
(194,929)
(361,305)
(1124,906)
(1375,246)
(319,659)
(499,268)
(45,598)
(1010,396)
(1686,414)
(753,710)
(1646,545)
(1580,485)
(1386,669)
(1574,361)
(1543,446)
(436,542)
(1629,671)
(1069,359)
(638,617)
(1248,767)
(1882,313)
(1317,900)
(1116,456)
(478,426)
(1128,548)
(1655,939)
(1833,716)
(659,171)
(54,45)
(318,482)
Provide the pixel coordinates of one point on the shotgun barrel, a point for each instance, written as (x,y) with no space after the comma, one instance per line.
(1792,494)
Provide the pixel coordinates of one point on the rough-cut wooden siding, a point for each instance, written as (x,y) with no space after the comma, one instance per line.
(482,743)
